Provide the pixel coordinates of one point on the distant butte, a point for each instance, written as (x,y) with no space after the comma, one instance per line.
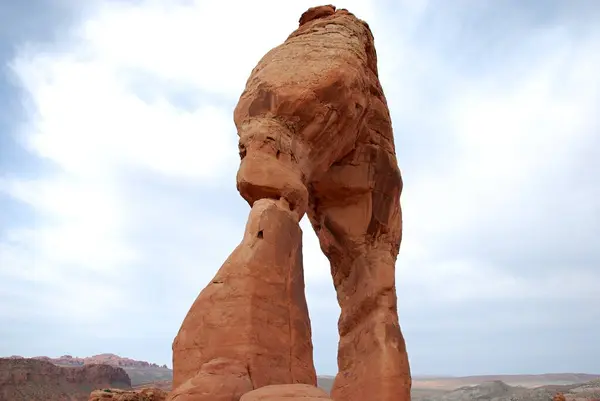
(39,380)
(106,359)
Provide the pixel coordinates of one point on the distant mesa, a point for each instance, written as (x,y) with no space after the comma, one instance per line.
(140,372)
(106,359)
(29,379)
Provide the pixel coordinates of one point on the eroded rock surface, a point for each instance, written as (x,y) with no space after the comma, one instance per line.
(254,310)
(315,137)
(101,359)
(26,379)
(286,392)
(221,379)
(559,397)
(147,394)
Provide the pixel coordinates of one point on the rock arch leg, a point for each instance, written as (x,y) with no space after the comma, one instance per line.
(355,211)
(253,313)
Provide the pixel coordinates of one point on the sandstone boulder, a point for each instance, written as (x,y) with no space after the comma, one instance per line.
(147,394)
(221,379)
(559,397)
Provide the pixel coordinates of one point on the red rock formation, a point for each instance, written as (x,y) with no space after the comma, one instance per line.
(147,394)
(559,397)
(221,379)
(101,359)
(315,137)
(254,309)
(32,379)
(286,392)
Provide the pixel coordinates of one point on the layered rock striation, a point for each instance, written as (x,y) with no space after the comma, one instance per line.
(31,379)
(101,359)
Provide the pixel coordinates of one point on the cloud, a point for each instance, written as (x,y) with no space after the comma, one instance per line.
(131,109)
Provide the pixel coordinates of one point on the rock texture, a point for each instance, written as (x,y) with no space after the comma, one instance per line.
(32,380)
(286,392)
(147,394)
(221,379)
(253,312)
(559,397)
(140,372)
(315,138)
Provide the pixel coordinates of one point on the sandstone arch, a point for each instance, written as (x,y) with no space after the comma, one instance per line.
(315,138)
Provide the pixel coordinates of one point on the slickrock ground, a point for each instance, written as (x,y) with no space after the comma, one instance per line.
(147,394)
(286,392)
(33,380)
(165,385)
(500,391)
(528,381)
(315,137)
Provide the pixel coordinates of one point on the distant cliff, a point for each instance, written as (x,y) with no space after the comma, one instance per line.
(106,359)
(140,372)
(25,379)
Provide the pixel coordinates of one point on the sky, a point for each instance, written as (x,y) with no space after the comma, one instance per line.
(118,156)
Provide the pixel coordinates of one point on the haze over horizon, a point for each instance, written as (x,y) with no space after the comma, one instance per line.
(423,376)
(118,156)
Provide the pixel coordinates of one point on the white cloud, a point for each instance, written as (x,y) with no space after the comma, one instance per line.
(507,136)
(89,121)
(197,42)
(78,227)
(89,114)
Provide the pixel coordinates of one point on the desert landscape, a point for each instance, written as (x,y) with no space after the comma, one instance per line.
(109,376)
(315,140)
